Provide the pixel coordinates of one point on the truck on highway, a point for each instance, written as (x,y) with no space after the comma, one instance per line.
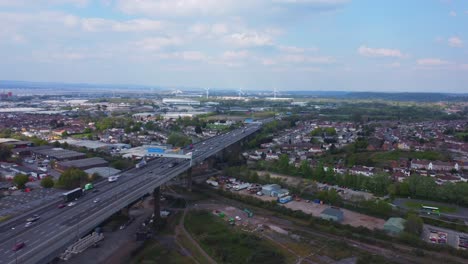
(140,164)
(285,199)
(72,195)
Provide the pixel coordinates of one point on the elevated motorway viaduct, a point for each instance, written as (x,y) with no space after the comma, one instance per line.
(58,228)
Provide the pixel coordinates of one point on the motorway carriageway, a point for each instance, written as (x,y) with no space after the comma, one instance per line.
(54,220)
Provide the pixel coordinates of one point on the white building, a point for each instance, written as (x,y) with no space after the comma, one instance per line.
(170,101)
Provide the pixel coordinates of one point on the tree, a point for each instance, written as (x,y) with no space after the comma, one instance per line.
(72,178)
(414,224)
(178,140)
(198,130)
(5,152)
(47,182)
(380,183)
(305,169)
(283,163)
(95,176)
(20,180)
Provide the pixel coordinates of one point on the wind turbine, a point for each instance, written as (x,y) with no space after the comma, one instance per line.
(207,92)
(240,93)
(275,92)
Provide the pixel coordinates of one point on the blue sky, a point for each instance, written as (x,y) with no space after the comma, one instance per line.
(355,45)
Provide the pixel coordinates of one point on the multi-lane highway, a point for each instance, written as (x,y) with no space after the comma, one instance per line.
(57,228)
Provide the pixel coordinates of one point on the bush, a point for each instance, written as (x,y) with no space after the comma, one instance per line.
(47,182)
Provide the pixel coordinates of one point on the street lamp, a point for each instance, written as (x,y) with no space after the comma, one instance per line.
(16,242)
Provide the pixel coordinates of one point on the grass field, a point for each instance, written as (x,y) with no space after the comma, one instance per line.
(227,245)
(156,253)
(442,208)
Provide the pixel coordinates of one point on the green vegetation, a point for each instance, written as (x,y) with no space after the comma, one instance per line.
(154,252)
(20,180)
(227,245)
(364,111)
(47,182)
(5,152)
(320,131)
(72,178)
(4,218)
(417,205)
(380,157)
(178,140)
(414,224)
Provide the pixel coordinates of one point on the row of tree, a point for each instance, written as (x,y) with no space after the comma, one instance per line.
(381,184)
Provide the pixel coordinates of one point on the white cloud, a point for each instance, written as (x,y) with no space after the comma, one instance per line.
(453,14)
(319,2)
(249,39)
(219,29)
(203,29)
(135,25)
(41,3)
(432,62)
(455,42)
(220,7)
(393,65)
(235,55)
(175,7)
(268,62)
(380,52)
(291,58)
(291,49)
(158,43)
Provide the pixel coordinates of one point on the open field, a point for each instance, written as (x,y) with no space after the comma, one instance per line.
(227,245)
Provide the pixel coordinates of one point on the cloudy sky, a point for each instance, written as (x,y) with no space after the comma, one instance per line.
(366,45)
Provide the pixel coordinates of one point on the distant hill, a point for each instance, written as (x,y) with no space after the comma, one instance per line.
(413,96)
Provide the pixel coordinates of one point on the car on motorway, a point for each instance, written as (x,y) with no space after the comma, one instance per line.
(172,164)
(18,246)
(28,224)
(62,205)
(95,190)
(71,204)
(96,200)
(113,178)
(33,218)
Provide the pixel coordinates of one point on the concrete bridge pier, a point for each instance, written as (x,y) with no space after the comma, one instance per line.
(189,179)
(125,211)
(156,205)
